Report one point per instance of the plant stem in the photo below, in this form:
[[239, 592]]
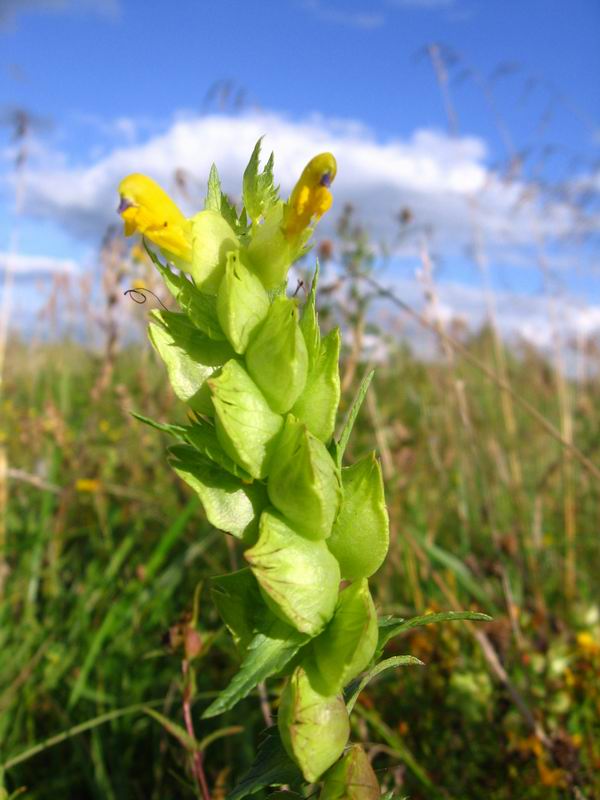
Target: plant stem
[[197, 766]]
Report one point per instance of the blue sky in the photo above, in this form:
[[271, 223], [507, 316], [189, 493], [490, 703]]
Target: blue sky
[[108, 82]]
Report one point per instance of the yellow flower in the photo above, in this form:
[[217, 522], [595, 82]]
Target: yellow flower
[[87, 485], [149, 210], [311, 197]]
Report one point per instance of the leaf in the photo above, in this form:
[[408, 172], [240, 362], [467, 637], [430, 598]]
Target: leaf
[[216, 200], [389, 628], [267, 654], [389, 663], [239, 603], [259, 190], [272, 767], [340, 446], [190, 357], [178, 431], [182, 736], [203, 438], [462, 573], [199, 306], [229, 504], [213, 190]]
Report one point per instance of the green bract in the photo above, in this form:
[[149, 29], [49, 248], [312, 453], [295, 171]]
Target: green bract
[[190, 357], [352, 778], [246, 426], [318, 403], [347, 644], [242, 303], [212, 240], [304, 483], [314, 728], [277, 357], [229, 505], [360, 535], [299, 578]]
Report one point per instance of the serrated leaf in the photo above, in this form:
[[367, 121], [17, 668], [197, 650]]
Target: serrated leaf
[[391, 627], [213, 190], [259, 190], [267, 654], [203, 438], [190, 357], [389, 663], [272, 767], [229, 504]]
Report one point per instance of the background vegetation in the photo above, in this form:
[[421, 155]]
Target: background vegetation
[[493, 496]]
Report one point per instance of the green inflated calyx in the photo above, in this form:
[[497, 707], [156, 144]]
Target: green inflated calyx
[[246, 426], [304, 482], [347, 644], [352, 778], [242, 303], [189, 355], [360, 536], [276, 356], [314, 728], [212, 239], [298, 578]]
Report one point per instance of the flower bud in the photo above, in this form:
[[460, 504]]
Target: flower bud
[[299, 579], [352, 778], [304, 482], [314, 728], [242, 303], [246, 427], [212, 240], [360, 536], [276, 356], [347, 644]]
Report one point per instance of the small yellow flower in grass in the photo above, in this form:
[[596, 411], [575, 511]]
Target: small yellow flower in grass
[[310, 198], [148, 210], [87, 485]]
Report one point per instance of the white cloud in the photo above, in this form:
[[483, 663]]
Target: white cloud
[[28, 266], [443, 180], [11, 9]]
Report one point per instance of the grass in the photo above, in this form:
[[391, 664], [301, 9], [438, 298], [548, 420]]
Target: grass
[[105, 550]]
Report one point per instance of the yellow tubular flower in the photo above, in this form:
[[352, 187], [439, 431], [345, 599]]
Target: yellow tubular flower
[[149, 210], [311, 197]]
